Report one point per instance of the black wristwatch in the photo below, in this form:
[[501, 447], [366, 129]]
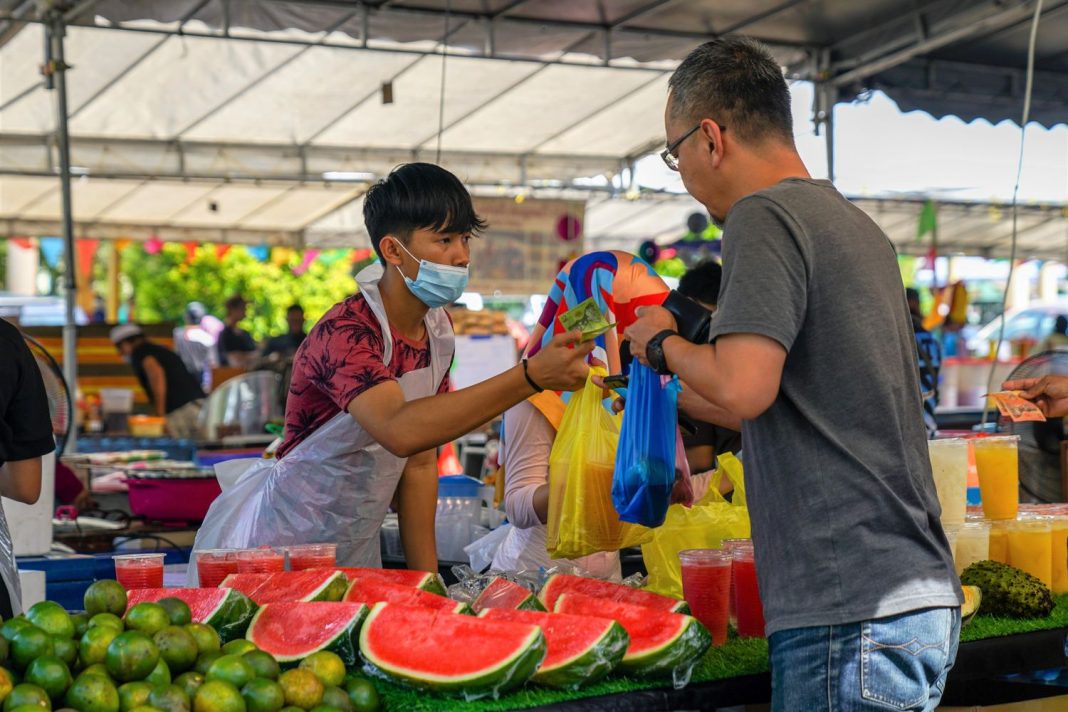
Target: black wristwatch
[[654, 352]]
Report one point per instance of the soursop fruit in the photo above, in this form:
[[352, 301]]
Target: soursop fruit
[[1007, 591]]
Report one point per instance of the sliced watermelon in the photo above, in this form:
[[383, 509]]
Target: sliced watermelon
[[225, 609], [502, 593], [461, 655], [431, 583], [566, 583], [660, 641], [293, 631], [282, 586], [581, 649], [372, 590]]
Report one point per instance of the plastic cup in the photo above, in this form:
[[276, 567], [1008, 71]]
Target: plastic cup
[[973, 544], [750, 610], [1031, 548], [139, 570], [951, 535], [706, 583], [260, 561], [1059, 551], [998, 465], [214, 565], [729, 545], [312, 556], [949, 466], [999, 541]]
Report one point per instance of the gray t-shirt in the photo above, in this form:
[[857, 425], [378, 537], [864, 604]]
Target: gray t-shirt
[[843, 506]]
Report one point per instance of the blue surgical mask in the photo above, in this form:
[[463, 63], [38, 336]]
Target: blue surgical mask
[[435, 285]]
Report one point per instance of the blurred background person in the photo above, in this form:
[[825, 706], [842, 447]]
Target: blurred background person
[[236, 347], [194, 345], [285, 345]]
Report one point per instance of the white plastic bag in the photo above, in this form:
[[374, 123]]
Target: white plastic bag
[[481, 551]]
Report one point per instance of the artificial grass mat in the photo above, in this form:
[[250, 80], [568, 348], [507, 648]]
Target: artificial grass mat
[[739, 657]]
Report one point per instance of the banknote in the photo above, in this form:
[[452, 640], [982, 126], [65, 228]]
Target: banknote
[[586, 317], [1018, 409]]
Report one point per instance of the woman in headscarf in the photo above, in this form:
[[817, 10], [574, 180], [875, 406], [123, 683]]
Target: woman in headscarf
[[619, 283]]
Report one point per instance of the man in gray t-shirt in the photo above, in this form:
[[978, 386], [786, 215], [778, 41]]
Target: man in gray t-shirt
[[813, 349]]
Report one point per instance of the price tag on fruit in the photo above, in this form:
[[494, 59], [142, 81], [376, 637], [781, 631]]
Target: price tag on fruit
[[1014, 406], [586, 317]]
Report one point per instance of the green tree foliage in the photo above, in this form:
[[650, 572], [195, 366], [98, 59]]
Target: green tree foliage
[[163, 284]]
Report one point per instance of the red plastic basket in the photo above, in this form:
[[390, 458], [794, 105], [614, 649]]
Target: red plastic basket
[[172, 500]]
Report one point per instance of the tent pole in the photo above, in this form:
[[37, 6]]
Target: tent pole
[[829, 134], [56, 77]]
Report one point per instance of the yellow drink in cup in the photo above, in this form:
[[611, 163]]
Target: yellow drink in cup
[[1059, 551], [973, 544], [998, 464], [999, 542], [949, 466], [1030, 547]]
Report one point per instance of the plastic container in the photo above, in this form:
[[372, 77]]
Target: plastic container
[[750, 609], [459, 486], [139, 570], [146, 426], [116, 400], [949, 466], [997, 461], [172, 500], [729, 545], [261, 561], [1031, 547], [312, 556], [214, 565], [973, 544], [1059, 551], [706, 583]]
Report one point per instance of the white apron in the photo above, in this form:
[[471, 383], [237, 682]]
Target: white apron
[[336, 485]]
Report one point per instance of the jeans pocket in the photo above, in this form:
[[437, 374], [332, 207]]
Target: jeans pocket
[[903, 657]]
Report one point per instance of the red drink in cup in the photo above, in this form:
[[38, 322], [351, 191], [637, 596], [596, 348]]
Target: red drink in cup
[[312, 556], [139, 570], [214, 565], [729, 546], [750, 609], [706, 583], [260, 561]]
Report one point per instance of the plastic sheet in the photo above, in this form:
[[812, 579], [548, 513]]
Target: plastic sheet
[[582, 518], [645, 470]]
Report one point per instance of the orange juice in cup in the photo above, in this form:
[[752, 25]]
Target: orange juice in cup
[[1059, 550], [1030, 547], [998, 464], [999, 541]]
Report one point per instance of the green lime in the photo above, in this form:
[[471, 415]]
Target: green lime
[[105, 596], [96, 669], [81, 623], [160, 675], [66, 650], [324, 708], [7, 684], [190, 682], [148, 618], [93, 693], [207, 638], [170, 698], [233, 669], [177, 610], [52, 618], [302, 688], [27, 694], [337, 698], [145, 708], [239, 647], [218, 696], [131, 656], [291, 708], [5, 649], [28, 708], [263, 696], [177, 647], [134, 694], [93, 647], [107, 620], [30, 643], [51, 675], [205, 661], [12, 627], [263, 663], [327, 666], [363, 695]]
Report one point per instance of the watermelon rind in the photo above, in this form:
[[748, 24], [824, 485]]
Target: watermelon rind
[[429, 582], [332, 588], [531, 604], [587, 666], [230, 618], [509, 674], [501, 588], [549, 593], [344, 644]]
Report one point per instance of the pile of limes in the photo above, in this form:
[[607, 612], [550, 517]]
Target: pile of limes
[[155, 659]]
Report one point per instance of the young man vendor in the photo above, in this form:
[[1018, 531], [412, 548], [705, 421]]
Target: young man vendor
[[369, 400]]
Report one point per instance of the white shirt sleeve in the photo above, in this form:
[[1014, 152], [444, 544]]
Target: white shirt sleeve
[[528, 440]]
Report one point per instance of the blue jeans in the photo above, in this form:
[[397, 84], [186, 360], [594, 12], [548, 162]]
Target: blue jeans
[[895, 663]]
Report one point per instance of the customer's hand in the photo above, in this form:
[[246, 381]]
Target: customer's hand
[[561, 364], [651, 321], [1049, 393]]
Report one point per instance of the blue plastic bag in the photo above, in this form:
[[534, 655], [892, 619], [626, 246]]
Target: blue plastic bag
[[645, 460]]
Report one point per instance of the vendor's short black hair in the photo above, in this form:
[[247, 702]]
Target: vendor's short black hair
[[419, 196], [294, 308], [702, 282]]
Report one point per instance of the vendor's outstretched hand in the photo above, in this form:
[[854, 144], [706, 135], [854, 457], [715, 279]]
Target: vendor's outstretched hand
[[651, 321], [1049, 393], [561, 364]]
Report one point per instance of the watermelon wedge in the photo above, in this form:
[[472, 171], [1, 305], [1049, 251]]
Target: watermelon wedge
[[431, 583], [293, 631], [502, 593], [580, 649], [282, 586], [435, 650], [660, 641], [226, 610], [371, 590], [566, 583]]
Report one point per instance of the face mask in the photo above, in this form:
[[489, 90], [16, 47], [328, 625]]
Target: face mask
[[435, 285]]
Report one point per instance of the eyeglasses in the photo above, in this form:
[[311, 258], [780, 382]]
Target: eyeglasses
[[668, 154]]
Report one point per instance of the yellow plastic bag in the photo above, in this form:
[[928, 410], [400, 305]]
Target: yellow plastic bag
[[582, 518], [703, 526]]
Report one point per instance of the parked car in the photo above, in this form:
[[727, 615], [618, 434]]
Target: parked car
[[38, 311], [1031, 323]]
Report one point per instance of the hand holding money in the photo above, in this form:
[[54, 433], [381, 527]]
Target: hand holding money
[[1049, 393], [586, 317], [1011, 404]]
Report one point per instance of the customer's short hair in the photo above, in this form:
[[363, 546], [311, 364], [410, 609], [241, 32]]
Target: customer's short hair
[[737, 83], [418, 196], [294, 308], [702, 282]]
